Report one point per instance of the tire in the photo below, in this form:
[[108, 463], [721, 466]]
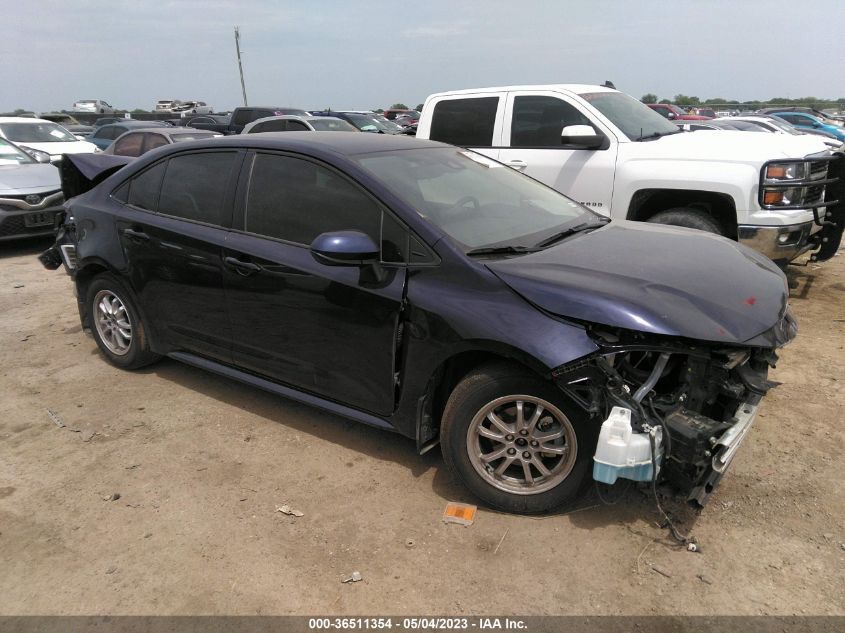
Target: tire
[[503, 482], [689, 218], [116, 324]]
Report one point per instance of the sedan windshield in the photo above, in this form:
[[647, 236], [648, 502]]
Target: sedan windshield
[[637, 121], [475, 200], [11, 155], [36, 133]]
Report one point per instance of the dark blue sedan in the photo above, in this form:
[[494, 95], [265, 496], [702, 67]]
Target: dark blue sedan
[[431, 291]]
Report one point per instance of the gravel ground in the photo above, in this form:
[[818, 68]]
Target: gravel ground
[[201, 464]]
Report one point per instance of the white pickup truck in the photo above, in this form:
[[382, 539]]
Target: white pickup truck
[[616, 156]]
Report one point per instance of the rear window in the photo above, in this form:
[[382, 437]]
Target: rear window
[[465, 122]]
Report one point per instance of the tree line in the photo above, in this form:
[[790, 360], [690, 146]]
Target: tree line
[[685, 100]]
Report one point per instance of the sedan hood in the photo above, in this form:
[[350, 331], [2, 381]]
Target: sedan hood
[[28, 178], [651, 278]]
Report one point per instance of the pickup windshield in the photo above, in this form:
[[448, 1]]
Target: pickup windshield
[[635, 120], [475, 200]]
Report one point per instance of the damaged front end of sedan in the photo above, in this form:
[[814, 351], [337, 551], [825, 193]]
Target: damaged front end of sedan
[[674, 411]]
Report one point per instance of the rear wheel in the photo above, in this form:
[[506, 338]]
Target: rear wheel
[[117, 325], [515, 441], [688, 217]]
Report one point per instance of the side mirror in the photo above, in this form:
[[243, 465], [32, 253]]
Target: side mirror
[[581, 137], [670, 115], [345, 248]]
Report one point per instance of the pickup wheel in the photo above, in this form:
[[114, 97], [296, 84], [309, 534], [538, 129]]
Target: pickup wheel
[[689, 218], [515, 441], [117, 325]]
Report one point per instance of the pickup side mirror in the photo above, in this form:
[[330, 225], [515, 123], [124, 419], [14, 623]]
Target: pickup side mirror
[[345, 248], [581, 137]]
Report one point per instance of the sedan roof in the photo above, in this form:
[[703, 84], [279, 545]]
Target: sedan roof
[[335, 142]]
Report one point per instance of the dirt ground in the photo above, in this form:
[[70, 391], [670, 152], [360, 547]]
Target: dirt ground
[[201, 464]]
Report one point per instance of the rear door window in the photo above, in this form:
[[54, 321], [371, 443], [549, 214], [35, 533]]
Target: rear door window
[[129, 145], [467, 122], [195, 185], [154, 140]]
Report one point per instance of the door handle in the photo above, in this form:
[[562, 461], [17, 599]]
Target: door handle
[[518, 165], [135, 234], [244, 268]]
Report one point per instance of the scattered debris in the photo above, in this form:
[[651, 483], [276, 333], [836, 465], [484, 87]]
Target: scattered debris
[[286, 509], [727, 504], [662, 571], [26, 338], [409, 543], [203, 468], [649, 544], [148, 535], [18, 286], [460, 513], [692, 547], [56, 419], [111, 570], [496, 551], [355, 576], [242, 499], [88, 435], [112, 497], [132, 467], [828, 535], [705, 579]]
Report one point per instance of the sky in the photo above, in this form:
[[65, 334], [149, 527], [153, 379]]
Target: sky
[[363, 55]]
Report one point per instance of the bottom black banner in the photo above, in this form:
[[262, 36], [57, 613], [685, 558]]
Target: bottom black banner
[[534, 624]]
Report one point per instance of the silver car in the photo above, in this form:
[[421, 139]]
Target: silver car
[[30, 194], [298, 123], [93, 105]]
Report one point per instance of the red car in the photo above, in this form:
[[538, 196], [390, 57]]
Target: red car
[[674, 113]]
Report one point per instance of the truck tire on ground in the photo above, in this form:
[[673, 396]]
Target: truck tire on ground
[[515, 440], [116, 324], [689, 218]]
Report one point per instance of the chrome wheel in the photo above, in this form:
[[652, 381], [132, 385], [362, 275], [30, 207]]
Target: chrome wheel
[[112, 321], [521, 444]]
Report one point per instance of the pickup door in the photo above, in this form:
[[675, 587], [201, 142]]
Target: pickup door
[[531, 142], [522, 128]]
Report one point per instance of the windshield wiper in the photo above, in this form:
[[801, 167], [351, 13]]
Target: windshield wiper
[[578, 228], [656, 135], [502, 250]]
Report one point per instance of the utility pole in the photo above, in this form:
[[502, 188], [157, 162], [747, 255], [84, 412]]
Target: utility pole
[[240, 65]]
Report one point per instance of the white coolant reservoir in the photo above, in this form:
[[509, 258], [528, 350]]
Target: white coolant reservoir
[[621, 452]]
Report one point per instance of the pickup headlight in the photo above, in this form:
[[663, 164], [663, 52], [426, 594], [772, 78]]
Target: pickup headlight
[[776, 172], [793, 184]]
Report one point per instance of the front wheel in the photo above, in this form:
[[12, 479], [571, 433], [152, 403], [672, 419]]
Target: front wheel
[[515, 441], [688, 217]]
